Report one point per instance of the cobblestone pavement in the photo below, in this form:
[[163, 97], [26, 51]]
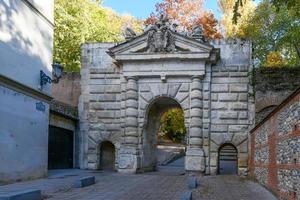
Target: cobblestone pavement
[[162, 185]]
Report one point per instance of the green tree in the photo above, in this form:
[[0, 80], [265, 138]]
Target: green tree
[[274, 31], [172, 124], [80, 21], [236, 30], [293, 6]]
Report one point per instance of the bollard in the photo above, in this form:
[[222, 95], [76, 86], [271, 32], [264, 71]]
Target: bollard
[[192, 182], [187, 195]]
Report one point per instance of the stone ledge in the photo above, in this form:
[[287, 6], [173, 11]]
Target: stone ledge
[[64, 109], [24, 89]]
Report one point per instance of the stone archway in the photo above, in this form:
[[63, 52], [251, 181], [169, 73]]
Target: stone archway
[[107, 156], [120, 82], [154, 111], [138, 98], [227, 159]]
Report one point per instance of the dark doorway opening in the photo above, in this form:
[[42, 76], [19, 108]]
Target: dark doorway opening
[[107, 156], [228, 159], [60, 148]]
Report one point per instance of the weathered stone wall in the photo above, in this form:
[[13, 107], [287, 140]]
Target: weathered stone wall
[[64, 108], [67, 90], [275, 146], [232, 101], [272, 85], [100, 103]]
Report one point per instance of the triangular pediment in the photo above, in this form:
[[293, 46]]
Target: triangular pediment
[[140, 45], [162, 41]]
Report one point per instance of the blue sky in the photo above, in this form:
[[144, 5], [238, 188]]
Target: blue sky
[[142, 8]]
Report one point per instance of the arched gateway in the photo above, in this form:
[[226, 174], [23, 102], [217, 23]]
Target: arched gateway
[[154, 111], [107, 156], [124, 84], [227, 159]]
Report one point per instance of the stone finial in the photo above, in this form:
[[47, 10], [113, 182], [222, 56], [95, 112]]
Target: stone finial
[[197, 33], [129, 33]]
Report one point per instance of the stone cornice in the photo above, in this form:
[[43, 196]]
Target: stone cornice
[[163, 56], [190, 74], [64, 109], [19, 87]]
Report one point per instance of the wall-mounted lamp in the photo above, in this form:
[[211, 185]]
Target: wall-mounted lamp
[[57, 71]]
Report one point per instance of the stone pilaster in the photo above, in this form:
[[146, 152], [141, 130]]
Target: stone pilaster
[[195, 156], [131, 123], [129, 154]]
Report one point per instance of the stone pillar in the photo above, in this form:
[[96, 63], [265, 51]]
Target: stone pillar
[[195, 160], [129, 154]]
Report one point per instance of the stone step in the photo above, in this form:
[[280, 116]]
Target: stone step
[[84, 182], [23, 195]]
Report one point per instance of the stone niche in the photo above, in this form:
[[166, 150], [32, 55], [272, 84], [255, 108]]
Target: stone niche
[[126, 87]]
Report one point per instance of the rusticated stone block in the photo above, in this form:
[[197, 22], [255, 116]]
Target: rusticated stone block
[[227, 97], [219, 88], [228, 115], [238, 87], [239, 106], [219, 105]]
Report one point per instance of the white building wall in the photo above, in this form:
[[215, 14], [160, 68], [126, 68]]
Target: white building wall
[[26, 43], [23, 137]]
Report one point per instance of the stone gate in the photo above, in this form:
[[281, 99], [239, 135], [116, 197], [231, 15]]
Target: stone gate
[[126, 87]]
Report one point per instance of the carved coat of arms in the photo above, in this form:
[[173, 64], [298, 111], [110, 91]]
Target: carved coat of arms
[[160, 37]]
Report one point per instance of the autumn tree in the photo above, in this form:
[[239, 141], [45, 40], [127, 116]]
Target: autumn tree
[[187, 14], [238, 29], [274, 59], [80, 21]]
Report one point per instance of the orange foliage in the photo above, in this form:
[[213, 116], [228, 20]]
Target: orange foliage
[[275, 59], [187, 13], [209, 23]]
